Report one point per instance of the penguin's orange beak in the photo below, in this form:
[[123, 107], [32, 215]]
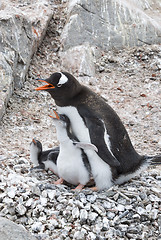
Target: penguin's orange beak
[[56, 115], [33, 140], [45, 87]]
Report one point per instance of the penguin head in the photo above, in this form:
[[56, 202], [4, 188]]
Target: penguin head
[[36, 145], [61, 86], [60, 120]]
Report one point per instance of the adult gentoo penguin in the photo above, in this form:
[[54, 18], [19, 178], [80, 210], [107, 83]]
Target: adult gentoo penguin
[[72, 162], [93, 120], [43, 159]]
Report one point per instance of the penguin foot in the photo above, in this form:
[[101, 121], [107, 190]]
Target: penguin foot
[[59, 181], [79, 187], [94, 188]]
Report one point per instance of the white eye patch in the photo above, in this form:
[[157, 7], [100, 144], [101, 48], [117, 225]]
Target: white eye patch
[[62, 80]]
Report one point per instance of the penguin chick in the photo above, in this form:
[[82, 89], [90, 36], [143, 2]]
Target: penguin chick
[[72, 162], [43, 159]]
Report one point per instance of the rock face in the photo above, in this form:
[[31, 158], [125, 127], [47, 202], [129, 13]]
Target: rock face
[[79, 60], [11, 231], [113, 23], [22, 27]]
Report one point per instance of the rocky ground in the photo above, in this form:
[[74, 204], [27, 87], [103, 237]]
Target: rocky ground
[[130, 80]]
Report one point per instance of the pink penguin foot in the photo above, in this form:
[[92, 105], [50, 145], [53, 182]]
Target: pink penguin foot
[[59, 181], [94, 189], [79, 187]]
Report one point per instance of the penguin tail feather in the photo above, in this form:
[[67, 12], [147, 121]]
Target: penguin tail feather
[[154, 160]]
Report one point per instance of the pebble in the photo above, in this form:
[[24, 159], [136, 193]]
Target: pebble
[[20, 209], [29, 202], [154, 214], [51, 194], [110, 215], [91, 198], [43, 201], [99, 209], [11, 192], [78, 235], [75, 212], [140, 210], [92, 217], [105, 224], [83, 216], [120, 208], [37, 227]]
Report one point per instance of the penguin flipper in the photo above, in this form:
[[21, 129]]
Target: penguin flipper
[[86, 146], [103, 150], [97, 133], [50, 153], [53, 155]]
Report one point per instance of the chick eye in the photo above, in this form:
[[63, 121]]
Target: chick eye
[[59, 85]]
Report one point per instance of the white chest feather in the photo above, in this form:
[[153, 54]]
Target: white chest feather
[[34, 155], [78, 126]]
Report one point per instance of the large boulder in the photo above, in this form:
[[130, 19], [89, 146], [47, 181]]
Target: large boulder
[[79, 60], [11, 231], [22, 28], [112, 23]]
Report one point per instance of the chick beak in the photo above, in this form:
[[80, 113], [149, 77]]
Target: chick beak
[[44, 87], [34, 141], [56, 115]]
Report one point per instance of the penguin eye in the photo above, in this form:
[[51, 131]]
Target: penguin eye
[[59, 85]]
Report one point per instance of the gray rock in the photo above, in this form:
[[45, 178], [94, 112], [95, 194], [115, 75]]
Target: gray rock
[[43, 201], [20, 209], [154, 214], [108, 24], [29, 202], [11, 192], [99, 209], [92, 217], [91, 198], [107, 205], [110, 215], [120, 207], [140, 210], [123, 227], [36, 190], [159, 223], [6, 81], [37, 227], [91, 236], [80, 60], [78, 235], [83, 215], [11, 231], [82, 198], [105, 224], [21, 32], [51, 194], [75, 212]]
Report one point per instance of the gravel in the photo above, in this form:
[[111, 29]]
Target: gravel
[[130, 80]]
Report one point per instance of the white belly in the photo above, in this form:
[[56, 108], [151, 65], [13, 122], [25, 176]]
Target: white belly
[[70, 165]]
